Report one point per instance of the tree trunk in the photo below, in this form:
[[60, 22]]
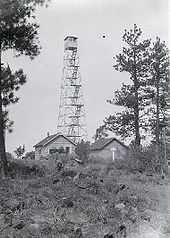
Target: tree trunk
[[136, 107], [2, 139], [136, 112], [157, 133]]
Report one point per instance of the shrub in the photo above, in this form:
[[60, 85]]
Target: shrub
[[9, 156], [140, 161], [83, 150], [30, 155], [23, 169]]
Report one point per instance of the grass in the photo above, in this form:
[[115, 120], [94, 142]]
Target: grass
[[56, 203]]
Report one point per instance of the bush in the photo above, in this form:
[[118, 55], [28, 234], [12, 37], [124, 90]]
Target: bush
[[83, 150], [30, 155], [140, 161], [24, 169]]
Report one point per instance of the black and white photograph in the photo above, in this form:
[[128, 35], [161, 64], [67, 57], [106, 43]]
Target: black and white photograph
[[84, 119]]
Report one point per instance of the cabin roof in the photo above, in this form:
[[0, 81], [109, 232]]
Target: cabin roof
[[103, 142], [51, 138]]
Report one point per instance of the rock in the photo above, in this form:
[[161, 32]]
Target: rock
[[67, 202], [13, 204], [83, 181], [109, 236], [145, 217], [46, 229], [69, 173], [8, 217], [120, 206], [19, 226], [122, 187], [38, 219], [122, 231], [78, 233], [77, 217], [56, 181], [59, 166], [34, 228]]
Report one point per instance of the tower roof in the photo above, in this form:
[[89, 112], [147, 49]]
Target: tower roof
[[74, 37]]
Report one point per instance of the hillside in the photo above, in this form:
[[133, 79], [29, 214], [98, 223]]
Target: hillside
[[78, 201]]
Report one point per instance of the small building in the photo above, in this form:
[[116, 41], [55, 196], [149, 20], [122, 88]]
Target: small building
[[52, 144], [109, 149]]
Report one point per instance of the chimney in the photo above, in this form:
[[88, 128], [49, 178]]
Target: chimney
[[48, 134]]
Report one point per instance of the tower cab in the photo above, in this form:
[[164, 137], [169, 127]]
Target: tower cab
[[70, 43]]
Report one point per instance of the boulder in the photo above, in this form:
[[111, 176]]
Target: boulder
[[109, 236], [77, 217], [56, 181], [120, 206], [122, 231], [13, 204], [78, 233], [67, 202], [19, 225]]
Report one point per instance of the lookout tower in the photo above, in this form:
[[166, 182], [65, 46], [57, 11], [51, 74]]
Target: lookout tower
[[71, 119]]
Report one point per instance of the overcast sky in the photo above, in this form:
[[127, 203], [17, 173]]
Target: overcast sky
[[37, 111]]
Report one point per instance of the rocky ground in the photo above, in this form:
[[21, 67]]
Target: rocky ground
[[159, 225], [93, 201]]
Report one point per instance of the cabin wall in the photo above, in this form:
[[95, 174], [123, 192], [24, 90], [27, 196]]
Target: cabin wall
[[106, 154], [56, 144]]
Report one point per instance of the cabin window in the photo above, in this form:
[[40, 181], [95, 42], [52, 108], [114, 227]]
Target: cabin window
[[52, 151], [67, 150]]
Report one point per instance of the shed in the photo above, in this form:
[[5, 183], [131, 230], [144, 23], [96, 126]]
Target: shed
[[53, 143], [109, 149]]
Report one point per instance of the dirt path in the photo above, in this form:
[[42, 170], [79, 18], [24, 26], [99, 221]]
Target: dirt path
[[159, 226]]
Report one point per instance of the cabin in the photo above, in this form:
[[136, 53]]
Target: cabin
[[108, 149], [52, 144]]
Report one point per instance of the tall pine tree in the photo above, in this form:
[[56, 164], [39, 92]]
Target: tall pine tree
[[18, 32], [133, 60], [159, 76]]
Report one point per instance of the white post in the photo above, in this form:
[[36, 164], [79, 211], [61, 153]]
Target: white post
[[113, 153]]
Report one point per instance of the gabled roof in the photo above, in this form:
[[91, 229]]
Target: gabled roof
[[101, 143], [51, 138]]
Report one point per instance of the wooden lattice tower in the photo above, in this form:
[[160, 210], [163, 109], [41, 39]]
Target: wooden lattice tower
[[71, 119]]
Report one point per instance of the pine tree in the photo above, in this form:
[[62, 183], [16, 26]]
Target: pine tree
[[167, 119], [134, 60], [11, 83], [159, 76], [18, 32]]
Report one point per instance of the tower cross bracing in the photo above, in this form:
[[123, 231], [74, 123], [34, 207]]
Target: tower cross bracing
[[71, 119]]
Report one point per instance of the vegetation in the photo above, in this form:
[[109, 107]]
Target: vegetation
[[167, 120], [135, 61], [18, 32], [83, 150], [20, 150], [94, 200], [142, 103], [30, 155]]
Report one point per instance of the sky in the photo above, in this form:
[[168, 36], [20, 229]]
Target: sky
[[37, 111]]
